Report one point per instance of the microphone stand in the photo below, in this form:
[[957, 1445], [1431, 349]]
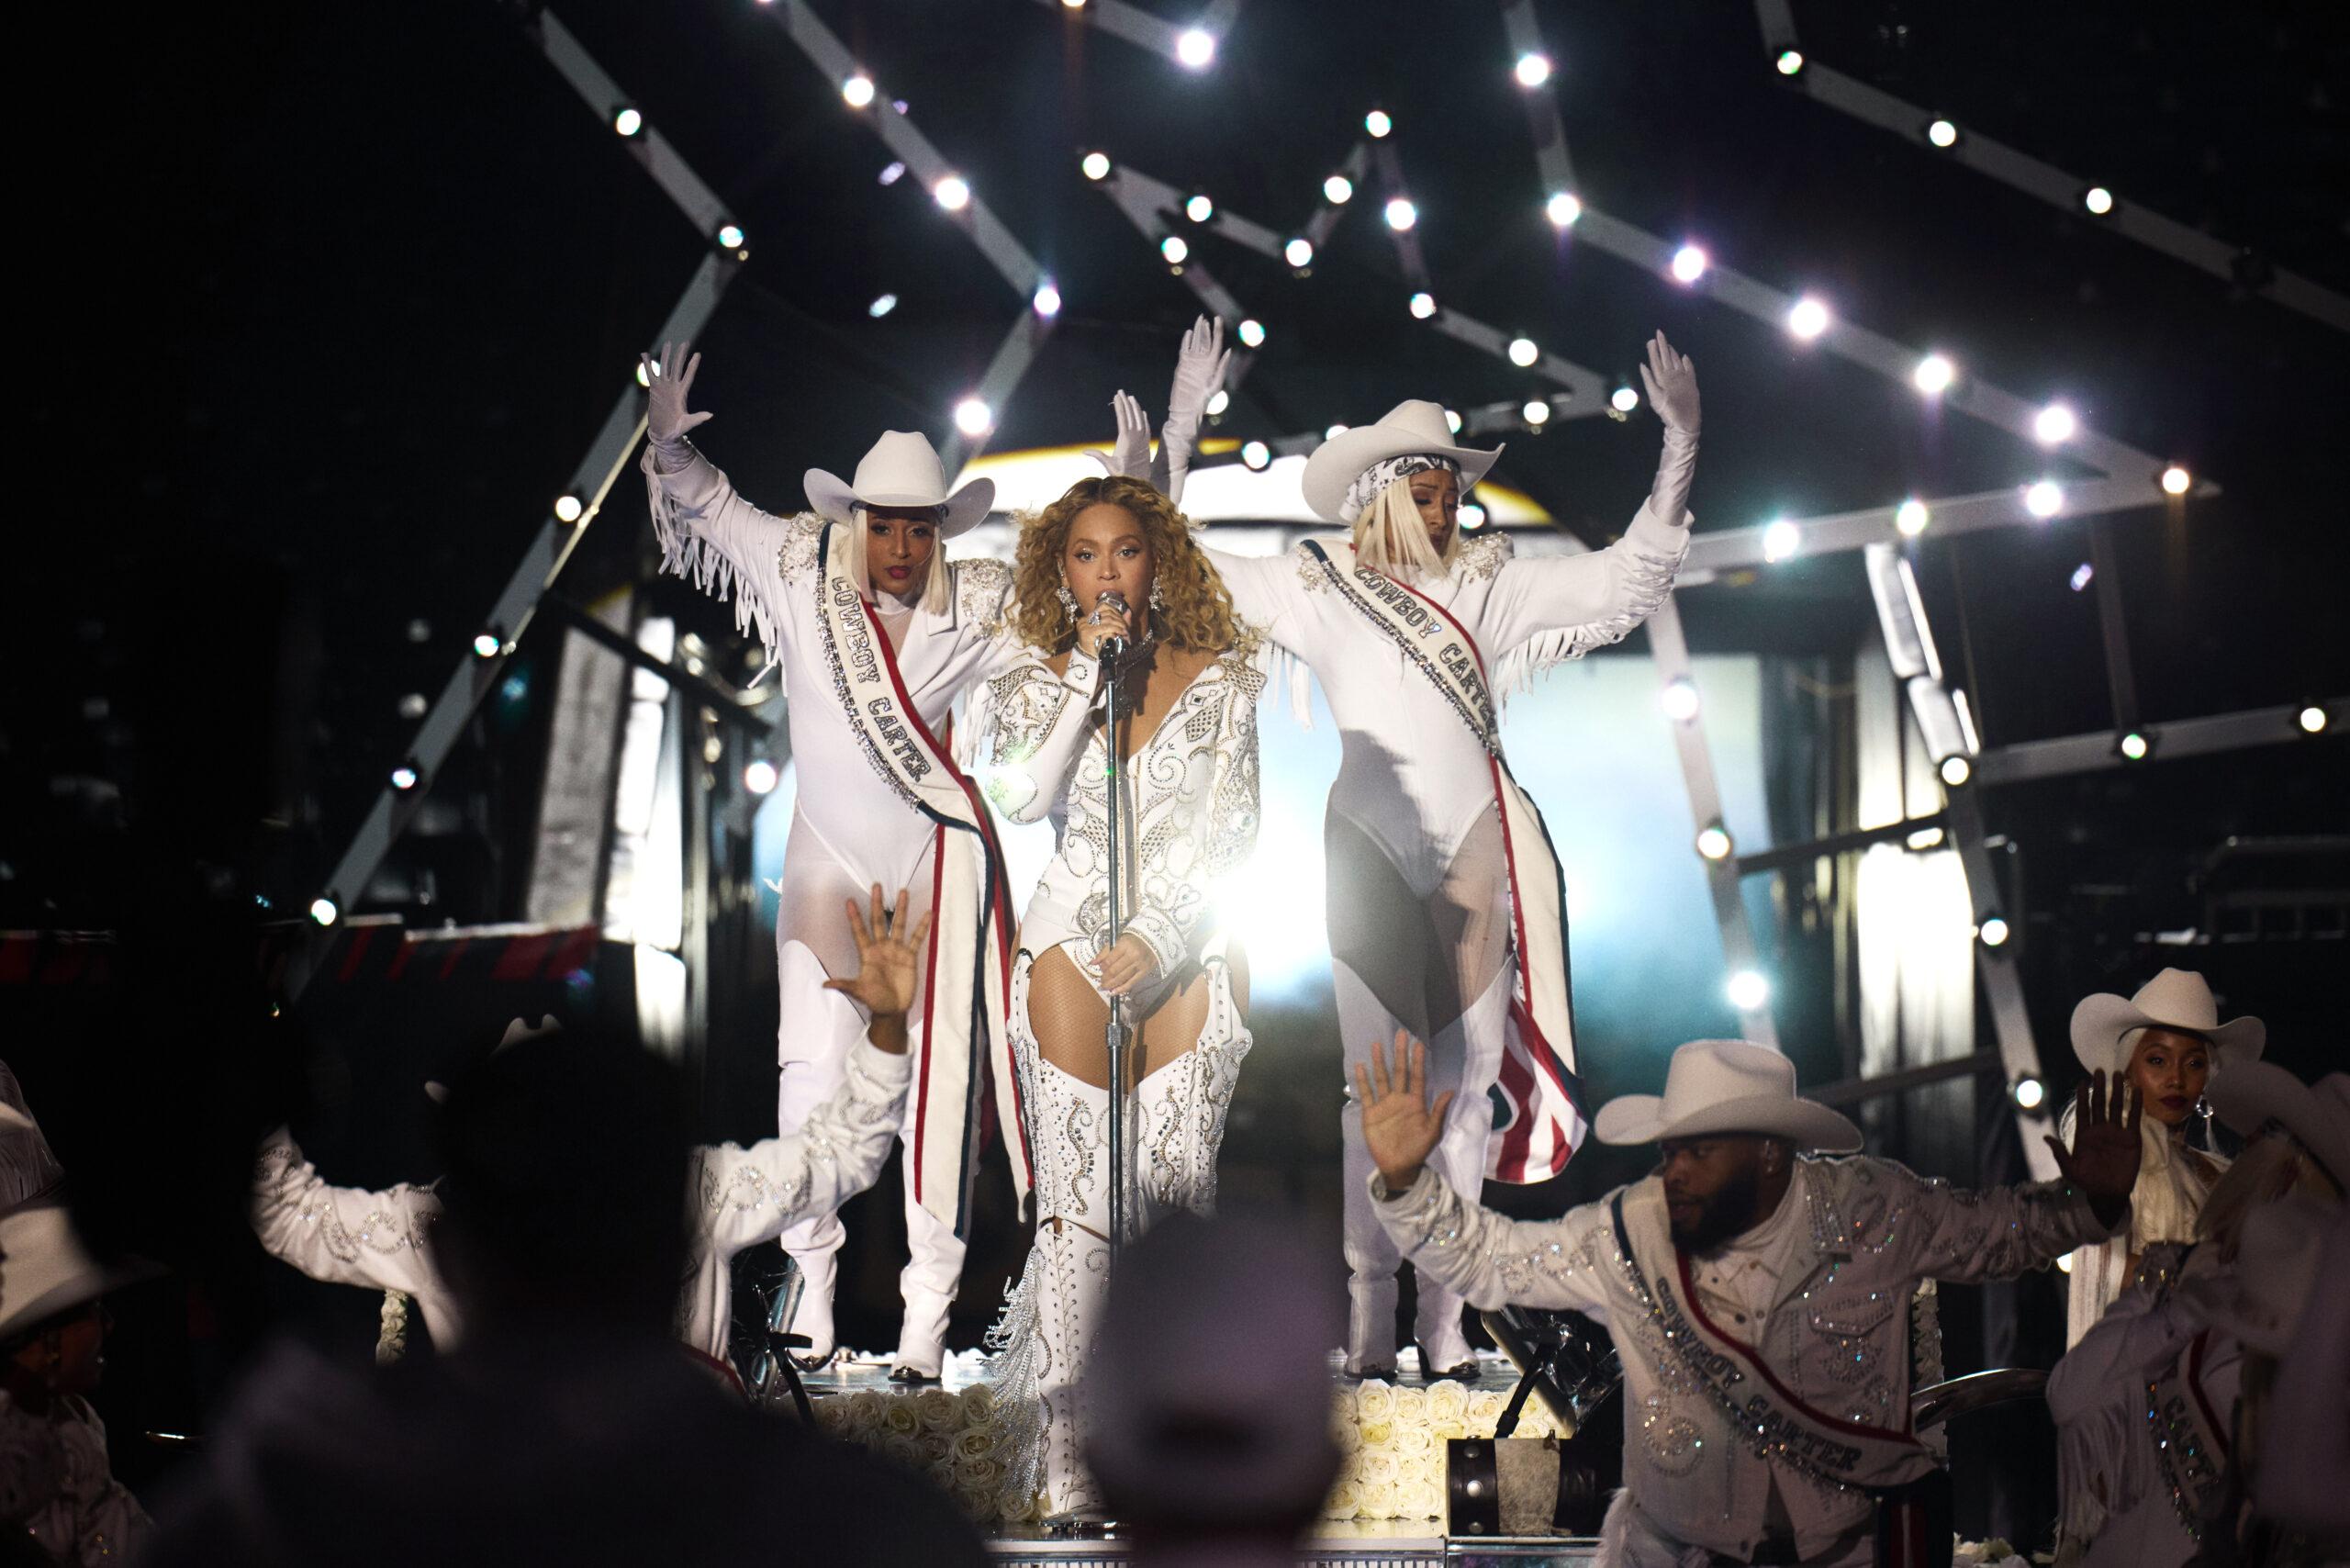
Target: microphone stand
[[1116, 1035]]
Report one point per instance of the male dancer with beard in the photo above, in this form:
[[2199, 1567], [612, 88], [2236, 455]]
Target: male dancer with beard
[[1759, 1296]]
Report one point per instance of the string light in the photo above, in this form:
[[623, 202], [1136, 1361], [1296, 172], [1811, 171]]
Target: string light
[[1200, 208], [1337, 190], [1402, 214], [952, 192], [1299, 252], [1911, 517], [1174, 250], [1790, 62], [1623, 400], [1562, 208], [1688, 263], [2176, 480], [568, 508], [760, 777], [2044, 498], [1533, 69], [857, 91], [1933, 375], [1423, 305], [627, 120], [1195, 47], [882, 305], [1252, 333], [973, 417], [2135, 746], [488, 643], [1256, 454], [2311, 720], [1523, 352], [1219, 402], [1781, 539], [1942, 134], [1047, 301], [404, 776], [730, 237], [1378, 123], [1537, 413], [1809, 318], [1680, 699], [1992, 930], [1714, 842], [2099, 200], [1747, 990], [2053, 425], [1955, 770], [2030, 1094], [1094, 165], [323, 910]]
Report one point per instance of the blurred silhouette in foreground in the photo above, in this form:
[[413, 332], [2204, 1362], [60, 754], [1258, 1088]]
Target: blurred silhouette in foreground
[[1212, 1382], [568, 1426]]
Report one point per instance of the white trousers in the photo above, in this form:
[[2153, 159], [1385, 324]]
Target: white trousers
[[1465, 1057]]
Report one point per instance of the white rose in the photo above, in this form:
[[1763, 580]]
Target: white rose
[[1448, 1402], [1484, 1410], [1379, 1501], [972, 1443], [937, 1410], [1347, 1436], [1376, 1434], [905, 1450], [1428, 1500], [865, 1409], [1414, 1442], [1374, 1403], [1535, 1422], [1445, 1432], [1410, 1406], [1344, 1502], [1379, 1467], [899, 1417], [1350, 1468], [978, 1405], [981, 1474]]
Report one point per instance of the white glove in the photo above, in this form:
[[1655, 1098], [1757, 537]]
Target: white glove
[[1671, 380], [1129, 455], [1200, 365], [665, 418]]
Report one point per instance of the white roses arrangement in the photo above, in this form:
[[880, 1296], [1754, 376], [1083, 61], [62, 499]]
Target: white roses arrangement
[[956, 1441], [1392, 1443]]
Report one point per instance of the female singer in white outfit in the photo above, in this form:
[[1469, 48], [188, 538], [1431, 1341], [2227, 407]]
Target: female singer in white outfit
[[855, 824], [1427, 837], [1187, 815]]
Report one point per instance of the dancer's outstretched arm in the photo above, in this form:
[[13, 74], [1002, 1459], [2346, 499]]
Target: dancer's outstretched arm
[[342, 1236], [1581, 602]]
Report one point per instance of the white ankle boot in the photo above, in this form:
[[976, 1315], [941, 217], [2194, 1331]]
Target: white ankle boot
[[814, 1318]]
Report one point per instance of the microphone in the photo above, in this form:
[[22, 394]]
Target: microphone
[[1112, 648]]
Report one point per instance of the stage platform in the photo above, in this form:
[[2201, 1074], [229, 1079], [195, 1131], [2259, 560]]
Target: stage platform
[[855, 1370]]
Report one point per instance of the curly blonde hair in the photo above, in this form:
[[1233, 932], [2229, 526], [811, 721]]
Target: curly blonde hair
[[1196, 612]]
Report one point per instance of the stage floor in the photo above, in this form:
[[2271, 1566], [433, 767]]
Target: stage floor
[[855, 1370]]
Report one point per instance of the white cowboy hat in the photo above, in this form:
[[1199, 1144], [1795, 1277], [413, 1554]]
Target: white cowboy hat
[[45, 1270], [1725, 1086], [2262, 1298], [2251, 1094], [2174, 999], [903, 470], [1409, 426]]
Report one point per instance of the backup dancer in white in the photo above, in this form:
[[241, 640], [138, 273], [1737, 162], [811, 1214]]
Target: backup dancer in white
[[876, 635], [1447, 913], [1187, 816]]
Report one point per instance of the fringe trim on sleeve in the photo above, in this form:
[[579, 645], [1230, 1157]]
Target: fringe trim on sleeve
[[1285, 671], [689, 552], [1647, 580]]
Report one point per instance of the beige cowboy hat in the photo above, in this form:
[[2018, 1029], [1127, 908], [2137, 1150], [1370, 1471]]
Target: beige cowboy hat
[[2263, 1297], [2251, 1094], [1410, 427], [1725, 1086], [45, 1270], [2174, 999], [903, 470]]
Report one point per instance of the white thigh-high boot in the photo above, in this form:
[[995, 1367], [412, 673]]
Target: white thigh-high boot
[[1181, 1108], [1070, 1267], [817, 1029], [1475, 1042], [1372, 1255]]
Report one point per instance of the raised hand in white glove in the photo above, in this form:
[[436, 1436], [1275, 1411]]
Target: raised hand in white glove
[[670, 380], [1200, 366], [1671, 380], [1129, 455]]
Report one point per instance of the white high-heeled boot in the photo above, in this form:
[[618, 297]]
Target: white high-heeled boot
[[1180, 1111], [1071, 1260]]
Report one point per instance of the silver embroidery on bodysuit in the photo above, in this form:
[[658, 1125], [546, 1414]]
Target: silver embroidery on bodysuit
[[1483, 556], [981, 589]]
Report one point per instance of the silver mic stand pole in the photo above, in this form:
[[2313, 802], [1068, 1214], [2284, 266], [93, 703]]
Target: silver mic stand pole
[[1117, 1035]]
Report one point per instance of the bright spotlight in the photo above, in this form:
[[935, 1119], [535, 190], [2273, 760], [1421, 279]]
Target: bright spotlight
[[1094, 165], [1533, 69], [1174, 250], [2065, 1263], [1537, 413], [1911, 517], [1781, 539], [1714, 842], [1747, 990], [1790, 62], [1251, 333], [568, 508], [1219, 402], [1623, 400], [1073, 4], [1047, 301], [643, 377], [2311, 720], [1402, 214], [1298, 252], [2081, 578], [1378, 123], [1334, 433], [760, 777], [403, 777], [1562, 208], [730, 235], [2044, 498], [2053, 424], [1256, 454], [1955, 770], [1473, 517], [1943, 133], [1337, 190], [1809, 318], [2176, 480], [857, 91], [1452, 420], [323, 910], [1680, 699], [891, 173], [2135, 746], [1423, 305], [1993, 930], [2099, 200], [1195, 47], [627, 121], [973, 417], [882, 305], [487, 644], [1688, 263], [1200, 208], [952, 192], [1933, 375], [2029, 1095], [413, 705], [1523, 352]]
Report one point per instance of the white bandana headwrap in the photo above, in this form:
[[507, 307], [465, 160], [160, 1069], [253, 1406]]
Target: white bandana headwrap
[[1379, 475]]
